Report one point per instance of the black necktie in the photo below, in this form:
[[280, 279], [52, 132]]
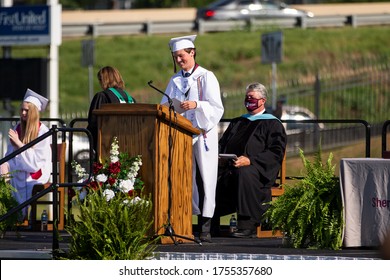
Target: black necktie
[[187, 74]]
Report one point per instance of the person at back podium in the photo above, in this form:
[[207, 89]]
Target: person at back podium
[[113, 86], [258, 139], [198, 90]]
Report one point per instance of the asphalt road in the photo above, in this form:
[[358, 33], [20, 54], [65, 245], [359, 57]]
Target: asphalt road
[[185, 14]]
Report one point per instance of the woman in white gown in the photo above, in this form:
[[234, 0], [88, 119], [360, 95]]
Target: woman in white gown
[[32, 166]]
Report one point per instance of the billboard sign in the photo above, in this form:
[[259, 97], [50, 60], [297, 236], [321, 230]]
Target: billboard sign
[[272, 47], [24, 25]]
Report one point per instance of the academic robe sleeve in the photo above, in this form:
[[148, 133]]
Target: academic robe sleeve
[[268, 159]]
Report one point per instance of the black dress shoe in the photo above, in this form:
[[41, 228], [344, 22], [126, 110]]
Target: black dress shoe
[[244, 233], [205, 237]]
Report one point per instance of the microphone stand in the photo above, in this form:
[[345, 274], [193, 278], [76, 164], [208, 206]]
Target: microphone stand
[[169, 231], [170, 102]]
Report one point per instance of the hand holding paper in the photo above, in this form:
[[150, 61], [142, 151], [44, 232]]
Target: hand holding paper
[[176, 105]]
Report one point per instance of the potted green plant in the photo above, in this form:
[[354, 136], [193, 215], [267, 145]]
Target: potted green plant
[[310, 212], [7, 202], [114, 215]]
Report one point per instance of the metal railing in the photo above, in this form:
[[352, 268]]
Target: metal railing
[[72, 124], [54, 184], [14, 120], [202, 26], [317, 136]]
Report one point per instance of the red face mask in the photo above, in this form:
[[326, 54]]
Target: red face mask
[[251, 104]]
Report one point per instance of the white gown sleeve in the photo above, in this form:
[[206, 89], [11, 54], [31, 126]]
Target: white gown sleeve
[[210, 109], [35, 158]]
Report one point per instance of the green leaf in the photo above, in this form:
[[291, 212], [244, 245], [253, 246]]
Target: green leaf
[[310, 212]]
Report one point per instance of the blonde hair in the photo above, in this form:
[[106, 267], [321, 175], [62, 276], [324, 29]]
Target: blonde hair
[[110, 77], [30, 128]]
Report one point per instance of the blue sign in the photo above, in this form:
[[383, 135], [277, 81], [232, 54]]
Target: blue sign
[[24, 25]]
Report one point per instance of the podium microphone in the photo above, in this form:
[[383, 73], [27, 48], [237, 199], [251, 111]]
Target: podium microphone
[[163, 93]]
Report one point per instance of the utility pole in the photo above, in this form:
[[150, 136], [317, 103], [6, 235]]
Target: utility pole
[[55, 41]]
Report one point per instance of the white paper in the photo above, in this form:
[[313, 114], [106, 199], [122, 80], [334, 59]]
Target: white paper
[[176, 105]]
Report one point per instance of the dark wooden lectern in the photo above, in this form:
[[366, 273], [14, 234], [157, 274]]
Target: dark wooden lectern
[[143, 129]]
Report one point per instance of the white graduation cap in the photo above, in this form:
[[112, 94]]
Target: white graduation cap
[[180, 43], [38, 100]]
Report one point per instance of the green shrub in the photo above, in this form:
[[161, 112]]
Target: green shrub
[[310, 213], [111, 230], [114, 217], [7, 202]]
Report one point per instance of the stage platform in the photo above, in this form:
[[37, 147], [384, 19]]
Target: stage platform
[[28, 245]]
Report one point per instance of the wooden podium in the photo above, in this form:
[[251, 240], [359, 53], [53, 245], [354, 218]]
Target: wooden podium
[[143, 129]]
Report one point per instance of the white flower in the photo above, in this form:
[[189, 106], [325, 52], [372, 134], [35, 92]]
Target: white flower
[[114, 152], [126, 185], [133, 172], [80, 171], [123, 184], [135, 200], [102, 178], [108, 194], [114, 159]]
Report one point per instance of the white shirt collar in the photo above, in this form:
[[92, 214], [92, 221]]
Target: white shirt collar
[[190, 71]]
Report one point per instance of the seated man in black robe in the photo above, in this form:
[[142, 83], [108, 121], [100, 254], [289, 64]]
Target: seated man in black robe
[[244, 184]]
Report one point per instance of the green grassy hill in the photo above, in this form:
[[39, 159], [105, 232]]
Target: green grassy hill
[[233, 56]]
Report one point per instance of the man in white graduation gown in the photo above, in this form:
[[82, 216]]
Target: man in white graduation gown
[[198, 90]]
